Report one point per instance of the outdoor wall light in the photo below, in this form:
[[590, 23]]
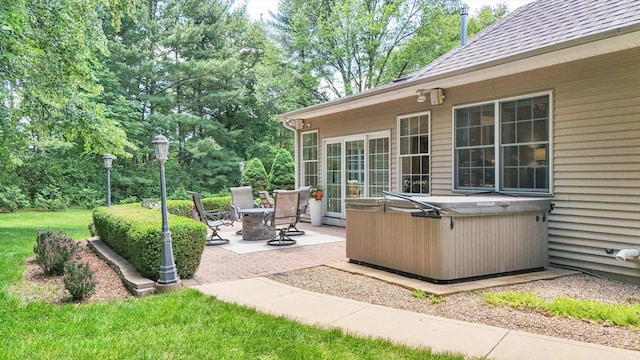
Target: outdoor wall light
[[168, 276], [421, 96]]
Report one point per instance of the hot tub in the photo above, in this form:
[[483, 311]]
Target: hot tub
[[445, 239]]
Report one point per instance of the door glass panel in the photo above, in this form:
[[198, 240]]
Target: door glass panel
[[334, 178], [354, 156]]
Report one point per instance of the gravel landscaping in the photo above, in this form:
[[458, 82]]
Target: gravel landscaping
[[470, 306]]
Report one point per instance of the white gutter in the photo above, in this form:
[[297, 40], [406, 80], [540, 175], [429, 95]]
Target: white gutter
[[599, 44]]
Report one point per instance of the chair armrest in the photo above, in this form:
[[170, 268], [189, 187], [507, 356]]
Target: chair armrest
[[233, 210], [218, 215]]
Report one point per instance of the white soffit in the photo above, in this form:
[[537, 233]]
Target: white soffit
[[503, 67]]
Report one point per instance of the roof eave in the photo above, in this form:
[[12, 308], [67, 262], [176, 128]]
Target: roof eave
[[598, 44]]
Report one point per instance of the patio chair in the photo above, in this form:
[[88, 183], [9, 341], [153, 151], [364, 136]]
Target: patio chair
[[285, 213], [241, 198], [265, 199], [213, 219], [303, 204]]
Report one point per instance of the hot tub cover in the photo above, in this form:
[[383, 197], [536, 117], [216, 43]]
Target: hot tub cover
[[451, 205]]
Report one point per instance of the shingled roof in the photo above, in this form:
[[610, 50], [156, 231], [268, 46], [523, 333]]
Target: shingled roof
[[539, 24]]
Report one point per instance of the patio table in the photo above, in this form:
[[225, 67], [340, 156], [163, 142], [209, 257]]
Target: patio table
[[254, 226]]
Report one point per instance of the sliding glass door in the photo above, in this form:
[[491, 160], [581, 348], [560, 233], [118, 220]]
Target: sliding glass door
[[356, 166]]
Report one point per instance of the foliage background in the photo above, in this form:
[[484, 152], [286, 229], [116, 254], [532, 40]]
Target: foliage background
[[85, 78]]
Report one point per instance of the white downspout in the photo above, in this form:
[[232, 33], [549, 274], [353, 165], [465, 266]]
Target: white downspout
[[296, 156], [625, 254]]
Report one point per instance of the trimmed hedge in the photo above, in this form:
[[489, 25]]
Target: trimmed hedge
[[135, 233], [183, 207]]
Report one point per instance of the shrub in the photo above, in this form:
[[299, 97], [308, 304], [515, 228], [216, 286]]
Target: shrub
[[129, 200], [255, 175], [79, 279], [134, 232], [180, 207], [179, 194], [183, 207], [50, 198], [281, 176], [12, 198], [87, 198], [53, 250]]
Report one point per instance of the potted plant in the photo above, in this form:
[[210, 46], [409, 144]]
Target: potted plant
[[315, 205]]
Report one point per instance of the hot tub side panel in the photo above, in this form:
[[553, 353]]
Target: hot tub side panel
[[395, 241], [430, 248], [486, 245]]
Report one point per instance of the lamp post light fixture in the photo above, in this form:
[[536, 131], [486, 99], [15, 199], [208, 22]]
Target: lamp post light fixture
[[168, 276], [241, 166], [108, 161]]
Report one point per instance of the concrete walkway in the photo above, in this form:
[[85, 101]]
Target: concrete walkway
[[413, 329]]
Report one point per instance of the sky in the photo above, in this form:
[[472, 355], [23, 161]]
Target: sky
[[255, 8]]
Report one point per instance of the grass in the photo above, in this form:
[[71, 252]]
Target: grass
[[585, 309], [181, 325]]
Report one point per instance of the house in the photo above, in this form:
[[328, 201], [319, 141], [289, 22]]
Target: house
[[545, 103]]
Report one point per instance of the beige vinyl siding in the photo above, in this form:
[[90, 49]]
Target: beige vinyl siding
[[597, 166], [441, 155], [595, 151], [596, 156]]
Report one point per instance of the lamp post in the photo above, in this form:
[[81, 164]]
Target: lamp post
[[241, 166], [108, 161], [168, 279]]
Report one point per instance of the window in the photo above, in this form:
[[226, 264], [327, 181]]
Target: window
[[378, 166], [414, 140], [310, 158], [516, 153]]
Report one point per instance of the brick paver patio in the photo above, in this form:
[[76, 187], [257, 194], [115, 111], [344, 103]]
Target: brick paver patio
[[219, 264]]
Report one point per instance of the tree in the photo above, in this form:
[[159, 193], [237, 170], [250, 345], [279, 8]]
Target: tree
[[189, 66], [282, 174], [341, 47], [49, 57]]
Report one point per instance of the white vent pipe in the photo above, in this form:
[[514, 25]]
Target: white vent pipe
[[625, 254]]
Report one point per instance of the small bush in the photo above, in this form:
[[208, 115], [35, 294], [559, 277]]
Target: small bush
[[87, 198], [282, 174], [53, 250], [50, 198], [255, 175], [12, 198], [79, 279]]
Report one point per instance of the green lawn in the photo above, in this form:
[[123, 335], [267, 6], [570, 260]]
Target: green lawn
[[180, 325]]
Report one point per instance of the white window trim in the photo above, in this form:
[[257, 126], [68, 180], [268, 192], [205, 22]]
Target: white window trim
[[498, 167], [302, 161], [398, 157]]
